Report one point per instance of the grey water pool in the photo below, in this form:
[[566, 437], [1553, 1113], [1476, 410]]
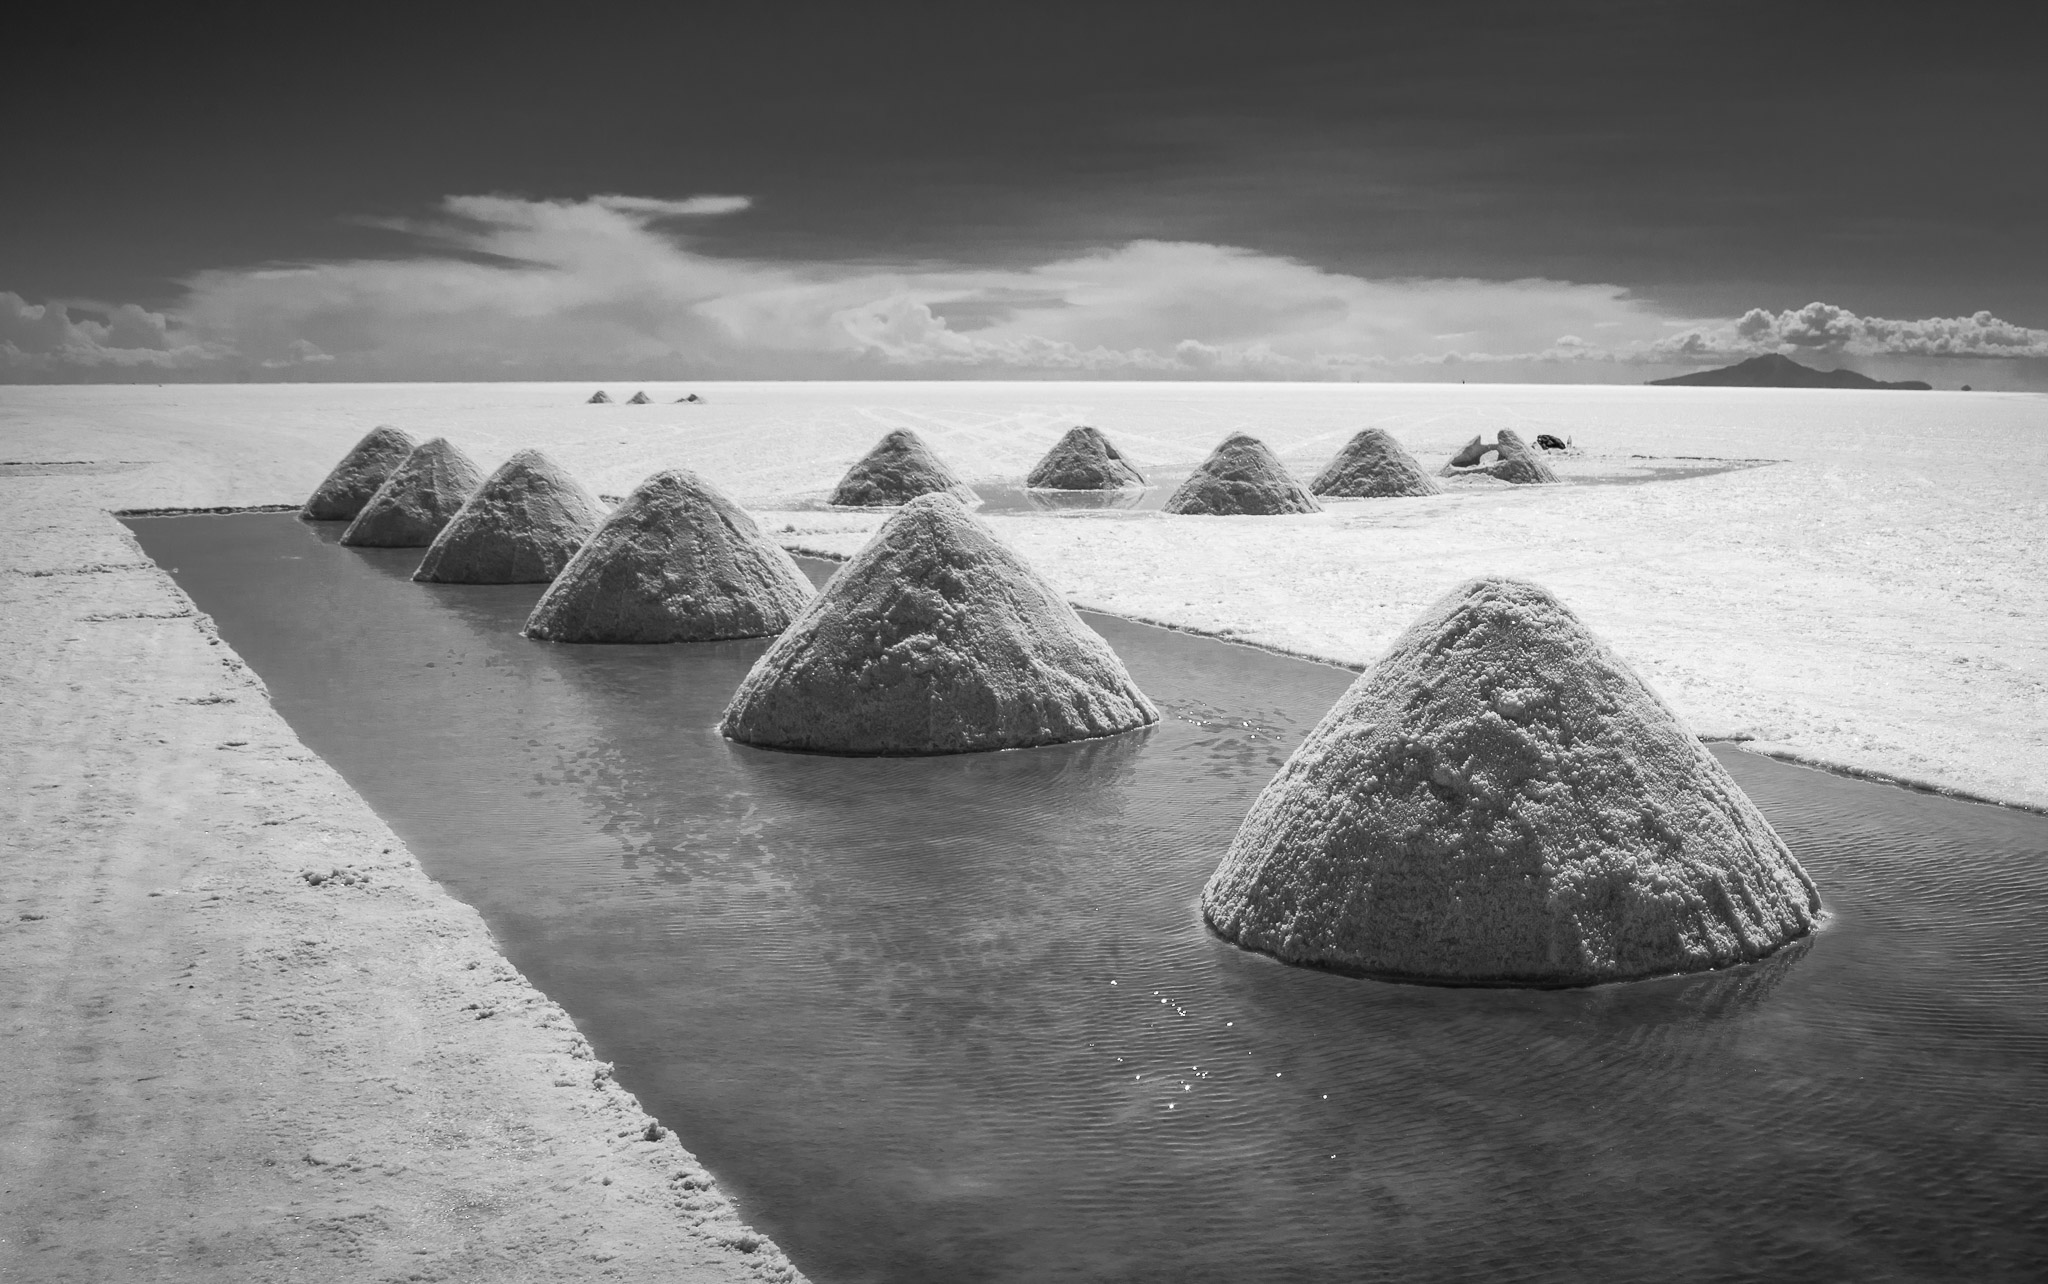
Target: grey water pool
[[957, 1019]]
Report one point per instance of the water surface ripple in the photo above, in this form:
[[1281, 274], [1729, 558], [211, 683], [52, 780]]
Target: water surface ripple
[[956, 1019]]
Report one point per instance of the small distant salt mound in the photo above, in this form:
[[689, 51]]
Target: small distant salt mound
[[692, 397], [520, 527], [599, 398], [1516, 463], [639, 399], [935, 638], [677, 562], [1373, 465], [1241, 477], [417, 500], [358, 475], [1084, 459], [899, 469], [1501, 800]]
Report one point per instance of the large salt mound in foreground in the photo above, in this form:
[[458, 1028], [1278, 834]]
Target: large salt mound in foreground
[[935, 638], [417, 500], [899, 469], [356, 478], [677, 562], [1084, 459], [1373, 465], [1241, 477], [520, 527], [1501, 800]]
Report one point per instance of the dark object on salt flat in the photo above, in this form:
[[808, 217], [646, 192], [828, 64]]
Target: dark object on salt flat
[[417, 500], [1373, 465], [358, 475], [639, 399], [899, 469], [1547, 442], [1084, 459], [1501, 800], [520, 527], [692, 397], [599, 398], [1775, 370], [935, 638], [1241, 478], [677, 562]]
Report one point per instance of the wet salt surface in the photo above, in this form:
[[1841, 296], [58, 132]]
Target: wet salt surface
[[957, 1018]]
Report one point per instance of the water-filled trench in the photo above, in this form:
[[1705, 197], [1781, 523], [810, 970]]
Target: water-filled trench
[[957, 1018]]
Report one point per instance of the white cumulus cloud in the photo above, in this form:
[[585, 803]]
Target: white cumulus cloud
[[616, 285]]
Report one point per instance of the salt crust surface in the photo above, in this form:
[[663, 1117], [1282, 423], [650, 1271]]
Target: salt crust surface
[[1501, 798], [899, 469], [1084, 459], [1373, 465], [366, 467], [521, 526], [417, 500], [676, 562], [1240, 478], [1866, 602], [935, 638]]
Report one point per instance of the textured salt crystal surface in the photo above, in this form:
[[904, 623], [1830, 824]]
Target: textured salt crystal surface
[[935, 638], [521, 526], [417, 500], [1502, 799], [676, 562], [1084, 459], [367, 466], [1373, 465], [899, 469], [1241, 477]]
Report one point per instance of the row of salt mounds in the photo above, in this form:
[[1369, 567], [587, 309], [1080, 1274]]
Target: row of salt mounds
[[520, 527], [1373, 465], [417, 500], [676, 562], [1084, 459], [1517, 463], [935, 638], [1501, 800], [899, 469], [1241, 477], [358, 476]]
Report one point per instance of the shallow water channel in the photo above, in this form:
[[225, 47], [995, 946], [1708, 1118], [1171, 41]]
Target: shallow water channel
[[957, 1018]]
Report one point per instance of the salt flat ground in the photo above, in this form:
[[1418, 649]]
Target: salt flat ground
[[1870, 600]]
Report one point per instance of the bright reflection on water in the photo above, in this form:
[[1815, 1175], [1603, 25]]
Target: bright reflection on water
[[956, 1019]]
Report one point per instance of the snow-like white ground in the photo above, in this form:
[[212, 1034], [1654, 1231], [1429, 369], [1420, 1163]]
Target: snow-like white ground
[[1874, 600]]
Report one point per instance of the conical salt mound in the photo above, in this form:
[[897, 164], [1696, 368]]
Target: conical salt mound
[[676, 562], [1241, 477], [599, 398], [935, 638], [417, 500], [1373, 465], [1518, 463], [1501, 800], [899, 469], [520, 527], [639, 399], [358, 475], [1084, 460]]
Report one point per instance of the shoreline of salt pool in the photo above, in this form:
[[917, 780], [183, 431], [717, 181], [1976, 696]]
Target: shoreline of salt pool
[[236, 1070]]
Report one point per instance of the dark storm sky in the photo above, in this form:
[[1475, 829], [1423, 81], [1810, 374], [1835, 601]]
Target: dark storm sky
[[1710, 156]]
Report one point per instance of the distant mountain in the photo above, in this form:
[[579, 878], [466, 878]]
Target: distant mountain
[[1776, 371]]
